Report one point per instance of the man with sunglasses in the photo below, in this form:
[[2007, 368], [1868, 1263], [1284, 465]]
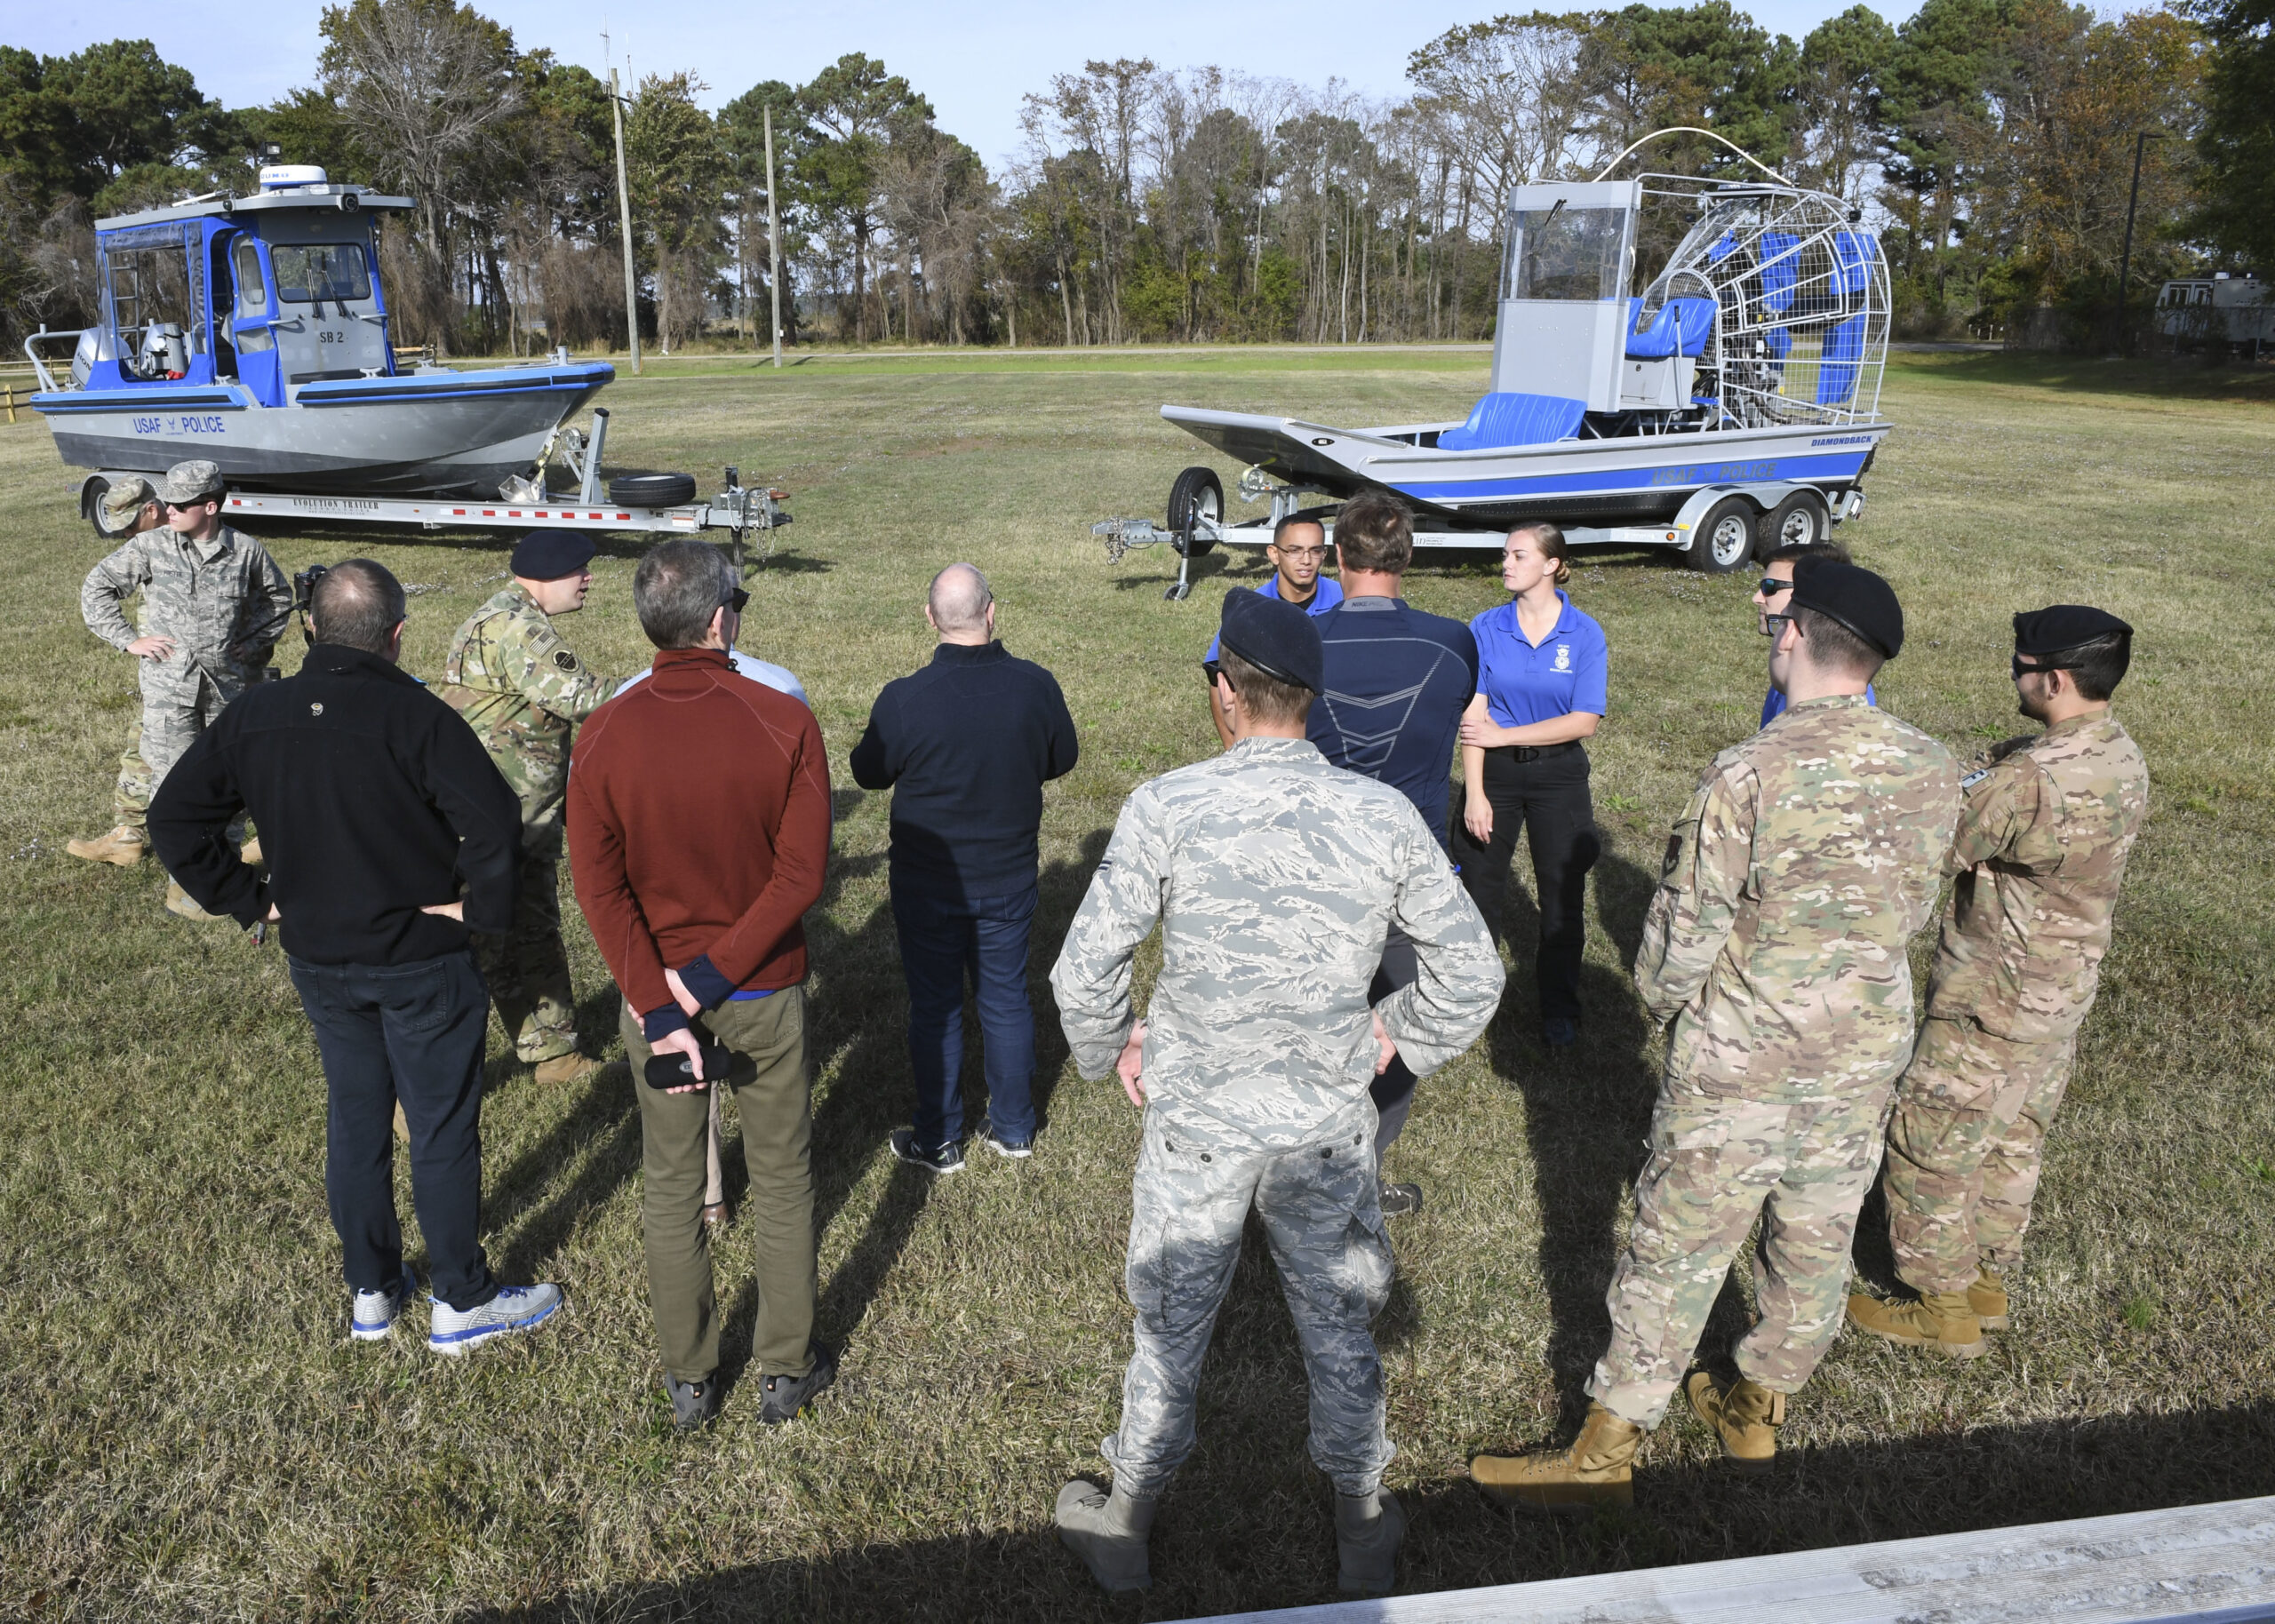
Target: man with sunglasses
[[1296, 552], [213, 605], [2037, 866], [699, 835], [523, 690], [1779, 572]]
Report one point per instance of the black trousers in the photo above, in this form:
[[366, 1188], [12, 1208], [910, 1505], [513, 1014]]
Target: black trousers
[[1393, 1091], [413, 1033], [1547, 799]]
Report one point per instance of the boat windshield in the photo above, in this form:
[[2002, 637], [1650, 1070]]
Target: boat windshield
[[312, 271], [1564, 254]]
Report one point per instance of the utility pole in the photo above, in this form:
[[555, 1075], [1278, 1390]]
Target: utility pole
[[623, 210], [2125, 260], [773, 238]]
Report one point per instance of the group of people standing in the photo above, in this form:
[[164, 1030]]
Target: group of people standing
[[1328, 912]]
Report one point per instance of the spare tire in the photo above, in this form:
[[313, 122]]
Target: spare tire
[[651, 489]]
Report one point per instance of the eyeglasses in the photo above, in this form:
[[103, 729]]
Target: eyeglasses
[[1774, 625], [1771, 586], [736, 601], [1312, 554], [2046, 665]]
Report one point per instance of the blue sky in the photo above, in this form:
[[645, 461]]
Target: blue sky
[[973, 61]]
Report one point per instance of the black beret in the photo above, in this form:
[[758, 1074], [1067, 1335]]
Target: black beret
[[1856, 598], [2062, 627], [547, 555], [1277, 639]]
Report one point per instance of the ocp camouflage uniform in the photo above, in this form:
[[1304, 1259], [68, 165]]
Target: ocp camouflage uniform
[[224, 603], [1776, 944], [2040, 858], [1275, 878], [523, 690]]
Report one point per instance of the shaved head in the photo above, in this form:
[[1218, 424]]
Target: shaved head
[[959, 600]]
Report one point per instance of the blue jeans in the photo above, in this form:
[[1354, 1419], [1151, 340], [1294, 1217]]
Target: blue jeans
[[942, 938], [414, 1033]]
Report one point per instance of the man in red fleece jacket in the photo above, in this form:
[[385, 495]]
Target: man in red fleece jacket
[[699, 834]]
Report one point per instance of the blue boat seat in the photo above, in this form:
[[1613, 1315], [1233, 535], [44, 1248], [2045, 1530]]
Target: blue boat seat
[[1678, 327], [1781, 267], [1843, 347], [1515, 419]]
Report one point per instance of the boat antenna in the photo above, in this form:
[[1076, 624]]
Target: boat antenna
[[1710, 135]]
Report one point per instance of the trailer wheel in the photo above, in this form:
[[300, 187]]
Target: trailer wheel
[[1197, 494], [1724, 538], [651, 489], [1802, 520]]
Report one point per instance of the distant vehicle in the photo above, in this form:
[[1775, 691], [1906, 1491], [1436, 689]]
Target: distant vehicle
[[254, 332], [2196, 312], [1732, 406]]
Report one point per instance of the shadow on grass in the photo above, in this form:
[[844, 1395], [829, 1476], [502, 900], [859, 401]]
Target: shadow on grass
[[1216, 1549], [2182, 377]]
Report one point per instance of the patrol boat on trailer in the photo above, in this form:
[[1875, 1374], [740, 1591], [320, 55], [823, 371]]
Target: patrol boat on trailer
[[255, 332], [1733, 404]]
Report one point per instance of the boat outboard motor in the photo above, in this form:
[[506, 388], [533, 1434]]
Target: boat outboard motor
[[164, 353]]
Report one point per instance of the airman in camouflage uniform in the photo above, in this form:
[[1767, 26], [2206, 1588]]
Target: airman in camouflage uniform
[[1775, 945], [130, 507], [1274, 877], [2037, 863], [523, 690], [213, 605]]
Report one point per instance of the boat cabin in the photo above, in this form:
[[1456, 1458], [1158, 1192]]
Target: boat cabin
[[269, 292]]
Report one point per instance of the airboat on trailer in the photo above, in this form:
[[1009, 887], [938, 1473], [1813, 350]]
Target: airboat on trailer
[[254, 332], [1732, 406]]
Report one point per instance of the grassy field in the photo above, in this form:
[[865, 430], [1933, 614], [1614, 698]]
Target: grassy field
[[186, 1432]]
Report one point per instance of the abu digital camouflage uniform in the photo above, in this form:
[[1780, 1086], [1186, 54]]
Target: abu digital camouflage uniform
[[1277, 878], [523, 690], [224, 603], [2040, 858], [1775, 945]]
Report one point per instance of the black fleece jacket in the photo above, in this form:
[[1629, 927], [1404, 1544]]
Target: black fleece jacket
[[374, 799], [965, 746]]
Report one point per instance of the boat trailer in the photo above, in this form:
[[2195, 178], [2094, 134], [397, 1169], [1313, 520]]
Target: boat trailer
[[748, 515], [1725, 517]]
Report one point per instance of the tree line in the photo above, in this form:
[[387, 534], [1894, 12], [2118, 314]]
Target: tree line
[[1992, 142]]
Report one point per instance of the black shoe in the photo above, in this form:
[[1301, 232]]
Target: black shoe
[[1400, 1199], [945, 1158], [1014, 1150], [1559, 1031], [788, 1396], [694, 1404]]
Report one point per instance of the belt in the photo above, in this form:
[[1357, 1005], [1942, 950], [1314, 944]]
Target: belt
[[1533, 753]]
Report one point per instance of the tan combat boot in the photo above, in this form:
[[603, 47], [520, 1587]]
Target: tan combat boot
[[180, 903], [1596, 1471], [1108, 1531], [570, 1068], [1744, 1416], [1369, 1529], [249, 852], [1988, 1298], [1941, 1320], [402, 1124], [124, 846]]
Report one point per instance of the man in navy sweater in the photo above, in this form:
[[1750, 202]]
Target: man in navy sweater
[[966, 746], [1397, 682]]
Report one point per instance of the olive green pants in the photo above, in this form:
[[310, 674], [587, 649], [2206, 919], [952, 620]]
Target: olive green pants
[[768, 1038], [528, 968]]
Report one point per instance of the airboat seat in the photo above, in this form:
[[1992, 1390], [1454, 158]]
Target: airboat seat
[[1680, 327], [1508, 419]]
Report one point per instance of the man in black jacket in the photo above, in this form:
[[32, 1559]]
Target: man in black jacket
[[966, 746], [375, 802]]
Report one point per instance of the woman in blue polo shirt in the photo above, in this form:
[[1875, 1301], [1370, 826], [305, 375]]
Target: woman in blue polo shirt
[[1541, 677]]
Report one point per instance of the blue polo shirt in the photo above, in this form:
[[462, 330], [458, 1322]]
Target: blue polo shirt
[[1775, 705], [1569, 672], [1325, 598], [1397, 682]]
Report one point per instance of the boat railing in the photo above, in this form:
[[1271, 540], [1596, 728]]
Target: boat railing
[[31, 353]]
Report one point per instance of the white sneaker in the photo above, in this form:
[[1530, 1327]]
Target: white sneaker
[[373, 1319], [515, 1308]]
